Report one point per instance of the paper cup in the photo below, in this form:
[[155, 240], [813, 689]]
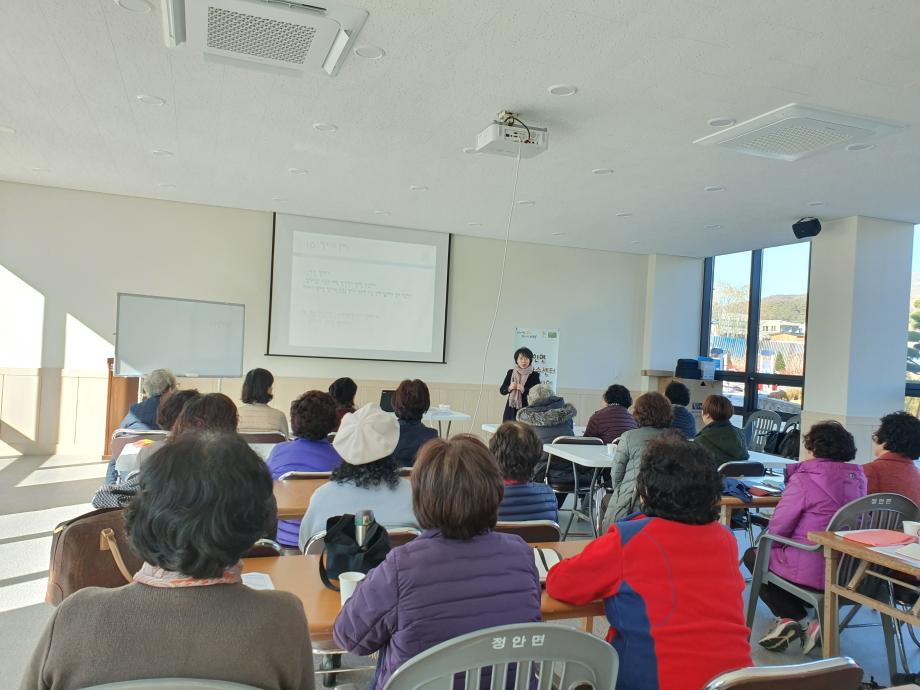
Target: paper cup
[[611, 448], [911, 528], [347, 584]]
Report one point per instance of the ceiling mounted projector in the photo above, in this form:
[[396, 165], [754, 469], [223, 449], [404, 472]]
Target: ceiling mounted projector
[[508, 136], [288, 37]]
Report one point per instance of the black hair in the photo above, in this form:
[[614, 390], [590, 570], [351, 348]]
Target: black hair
[[677, 393], [256, 385], [343, 391], [171, 407], [618, 395], [831, 441], [411, 400], [678, 481], [203, 500], [900, 433], [369, 475], [526, 351]]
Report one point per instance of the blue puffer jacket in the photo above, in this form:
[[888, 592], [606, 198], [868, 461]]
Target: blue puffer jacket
[[528, 501], [434, 589]]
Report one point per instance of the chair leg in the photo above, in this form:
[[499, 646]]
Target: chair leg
[[568, 526], [888, 629], [756, 582]]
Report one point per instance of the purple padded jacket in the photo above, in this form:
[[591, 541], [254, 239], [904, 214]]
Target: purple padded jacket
[[815, 490], [434, 589]]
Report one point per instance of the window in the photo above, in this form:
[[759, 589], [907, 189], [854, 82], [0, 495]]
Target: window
[[912, 397], [757, 303]]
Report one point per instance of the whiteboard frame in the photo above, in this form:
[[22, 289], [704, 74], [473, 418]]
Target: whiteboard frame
[[228, 375]]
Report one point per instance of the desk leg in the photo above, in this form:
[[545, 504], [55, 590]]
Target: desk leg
[[440, 431], [830, 634], [725, 516], [449, 422]]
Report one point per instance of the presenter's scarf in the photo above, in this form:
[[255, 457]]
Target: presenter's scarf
[[519, 376]]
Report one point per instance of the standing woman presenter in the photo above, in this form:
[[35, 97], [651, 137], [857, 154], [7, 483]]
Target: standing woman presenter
[[518, 382]]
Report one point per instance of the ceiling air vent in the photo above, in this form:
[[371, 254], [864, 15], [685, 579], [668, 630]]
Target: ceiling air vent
[[796, 131], [289, 37]]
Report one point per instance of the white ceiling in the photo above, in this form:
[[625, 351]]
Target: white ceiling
[[650, 73]]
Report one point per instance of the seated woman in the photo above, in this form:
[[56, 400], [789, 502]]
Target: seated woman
[[312, 419], [658, 591], [255, 414], [343, 391], [204, 500], [723, 440], [815, 489], [896, 445], [367, 479], [684, 421], [459, 576], [610, 422], [653, 413], [518, 450], [211, 412], [143, 415], [410, 401]]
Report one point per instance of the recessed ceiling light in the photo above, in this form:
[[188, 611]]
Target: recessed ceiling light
[[860, 147], [468, 149], [7, 130], [527, 202], [381, 213], [722, 122], [556, 234], [148, 99], [473, 224], [166, 185], [325, 127], [369, 52], [161, 152], [623, 214], [40, 170], [297, 171], [713, 227], [563, 90], [714, 188], [816, 203], [602, 171], [140, 6], [418, 188]]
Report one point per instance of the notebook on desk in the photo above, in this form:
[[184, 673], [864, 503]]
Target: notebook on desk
[[545, 559]]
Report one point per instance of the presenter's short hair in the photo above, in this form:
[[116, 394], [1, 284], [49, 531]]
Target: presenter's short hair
[[456, 487], [618, 395], [411, 400], [211, 412], [256, 385], [526, 351], [158, 382], [517, 449], [313, 415], [202, 502], [654, 410], [677, 393], [718, 408]]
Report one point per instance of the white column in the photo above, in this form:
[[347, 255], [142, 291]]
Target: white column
[[855, 360]]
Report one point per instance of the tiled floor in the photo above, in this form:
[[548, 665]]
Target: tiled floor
[[36, 493]]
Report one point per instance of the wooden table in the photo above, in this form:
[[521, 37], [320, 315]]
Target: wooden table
[[835, 547], [300, 576], [730, 503], [293, 496]]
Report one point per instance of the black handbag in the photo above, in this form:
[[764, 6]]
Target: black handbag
[[342, 554]]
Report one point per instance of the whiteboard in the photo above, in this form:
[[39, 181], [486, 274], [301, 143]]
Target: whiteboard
[[190, 337]]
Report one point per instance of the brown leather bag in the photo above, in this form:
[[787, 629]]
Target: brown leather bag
[[90, 551]]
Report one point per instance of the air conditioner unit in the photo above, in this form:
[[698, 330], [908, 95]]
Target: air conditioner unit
[[288, 37]]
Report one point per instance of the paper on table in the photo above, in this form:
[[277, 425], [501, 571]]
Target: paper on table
[[258, 581], [893, 552]]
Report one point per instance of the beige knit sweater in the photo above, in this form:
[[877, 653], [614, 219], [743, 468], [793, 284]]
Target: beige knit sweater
[[218, 632]]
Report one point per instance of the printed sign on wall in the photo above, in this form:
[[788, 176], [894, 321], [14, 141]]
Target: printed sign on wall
[[544, 343]]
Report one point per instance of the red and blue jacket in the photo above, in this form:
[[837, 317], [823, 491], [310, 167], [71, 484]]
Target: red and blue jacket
[[673, 597]]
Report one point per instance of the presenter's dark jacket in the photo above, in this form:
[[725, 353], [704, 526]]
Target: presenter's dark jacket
[[412, 436], [532, 380]]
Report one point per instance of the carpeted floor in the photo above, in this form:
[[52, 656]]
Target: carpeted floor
[[37, 492]]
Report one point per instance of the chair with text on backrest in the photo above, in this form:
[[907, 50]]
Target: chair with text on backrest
[[386, 401], [759, 426], [263, 437], [553, 655], [575, 487], [738, 469], [172, 684], [876, 511], [532, 531], [839, 673], [122, 437]]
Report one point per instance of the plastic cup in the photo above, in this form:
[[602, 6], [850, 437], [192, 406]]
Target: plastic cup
[[911, 528], [347, 584]]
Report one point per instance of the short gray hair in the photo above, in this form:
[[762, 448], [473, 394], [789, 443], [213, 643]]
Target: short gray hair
[[158, 382], [541, 391]]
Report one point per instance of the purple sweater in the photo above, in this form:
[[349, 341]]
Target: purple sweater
[[300, 455], [434, 589], [815, 490]]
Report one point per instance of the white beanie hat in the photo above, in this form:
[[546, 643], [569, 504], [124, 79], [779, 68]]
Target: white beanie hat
[[366, 435]]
